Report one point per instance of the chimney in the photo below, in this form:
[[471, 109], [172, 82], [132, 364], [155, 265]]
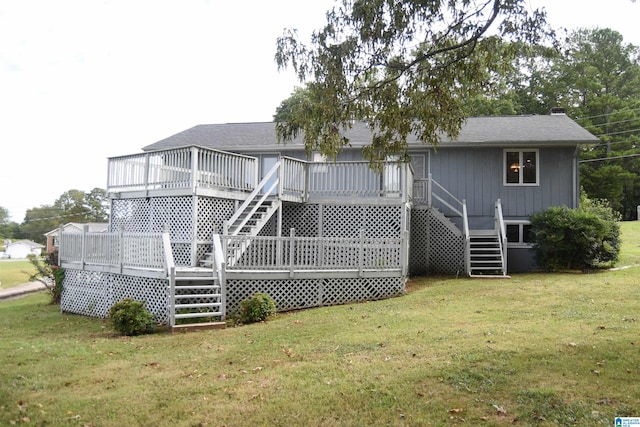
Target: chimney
[[558, 111]]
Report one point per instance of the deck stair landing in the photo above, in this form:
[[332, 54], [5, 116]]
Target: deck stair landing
[[198, 300], [485, 254]]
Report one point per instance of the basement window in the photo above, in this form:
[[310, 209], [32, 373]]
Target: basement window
[[519, 234], [521, 167]]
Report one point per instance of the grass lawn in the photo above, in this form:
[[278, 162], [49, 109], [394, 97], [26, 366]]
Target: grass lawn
[[538, 349], [14, 272]]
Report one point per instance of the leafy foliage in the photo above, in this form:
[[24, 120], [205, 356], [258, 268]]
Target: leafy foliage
[[405, 67], [256, 309], [50, 275], [588, 237], [71, 206], [130, 317]]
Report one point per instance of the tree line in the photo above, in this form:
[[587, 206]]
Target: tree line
[[71, 206]]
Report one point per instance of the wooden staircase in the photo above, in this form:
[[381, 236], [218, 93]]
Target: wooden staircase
[[485, 254], [198, 302]]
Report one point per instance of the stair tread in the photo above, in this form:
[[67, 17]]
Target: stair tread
[[195, 315], [197, 305]]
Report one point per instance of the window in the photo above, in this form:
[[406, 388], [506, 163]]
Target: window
[[518, 233], [521, 167]]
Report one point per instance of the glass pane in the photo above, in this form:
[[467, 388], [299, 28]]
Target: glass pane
[[512, 167], [513, 233], [529, 167], [527, 236]]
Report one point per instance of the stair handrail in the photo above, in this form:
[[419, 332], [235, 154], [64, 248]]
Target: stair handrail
[[431, 195], [170, 269], [500, 228], [467, 239], [252, 196], [220, 270]]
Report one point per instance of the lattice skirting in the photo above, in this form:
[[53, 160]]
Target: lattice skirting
[[92, 293], [435, 247], [304, 293]]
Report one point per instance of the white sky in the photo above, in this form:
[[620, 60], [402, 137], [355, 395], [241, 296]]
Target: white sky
[[84, 80]]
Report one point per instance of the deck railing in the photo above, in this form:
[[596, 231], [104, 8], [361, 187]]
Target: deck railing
[[115, 252], [191, 168], [182, 168], [296, 253], [349, 179], [428, 191]]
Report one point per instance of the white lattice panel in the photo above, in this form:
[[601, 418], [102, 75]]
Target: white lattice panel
[[149, 215], [304, 218], [93, 293], [435, 248], [153, 292], [304, 293], [86, 292], [212, 213]]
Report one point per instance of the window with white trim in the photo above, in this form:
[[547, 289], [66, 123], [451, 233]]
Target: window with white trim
[[521, 167], [518, 233]]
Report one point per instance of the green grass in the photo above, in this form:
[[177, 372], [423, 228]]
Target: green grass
[[539, 349], [14, 272], [630, 254]]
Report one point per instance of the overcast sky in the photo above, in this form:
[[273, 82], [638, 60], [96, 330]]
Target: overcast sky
[[84, 80]]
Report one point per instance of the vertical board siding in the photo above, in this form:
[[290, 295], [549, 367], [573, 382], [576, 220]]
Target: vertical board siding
[[477, 176]]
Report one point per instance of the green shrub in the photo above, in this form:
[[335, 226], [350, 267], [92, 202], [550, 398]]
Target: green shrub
[[584, 238], [130, 317], [48, 274], [256, 309]]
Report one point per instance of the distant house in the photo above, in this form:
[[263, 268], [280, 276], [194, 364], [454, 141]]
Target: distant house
[[23, 248], [73, 227], [208, 217]]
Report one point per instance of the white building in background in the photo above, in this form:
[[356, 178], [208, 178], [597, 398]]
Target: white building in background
[[23, 248]]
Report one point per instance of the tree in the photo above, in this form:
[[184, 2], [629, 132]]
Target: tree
[[600, 75], [404, 66], [8, 228], [71, 206]]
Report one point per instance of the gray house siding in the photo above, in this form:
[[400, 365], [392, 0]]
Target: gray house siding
[[476, 175]]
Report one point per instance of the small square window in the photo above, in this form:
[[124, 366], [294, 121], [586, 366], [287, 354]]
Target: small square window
[[519, 233]]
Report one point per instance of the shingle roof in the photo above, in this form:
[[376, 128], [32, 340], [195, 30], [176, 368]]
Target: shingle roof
[[504, 131], [28, 243]]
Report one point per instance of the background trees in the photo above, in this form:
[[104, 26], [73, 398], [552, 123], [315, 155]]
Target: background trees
[[71, 206]]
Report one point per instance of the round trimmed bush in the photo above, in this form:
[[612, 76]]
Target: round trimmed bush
[[256, 309], [130, 317]]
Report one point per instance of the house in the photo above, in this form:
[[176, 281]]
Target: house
[[209, 216], [23, 248], [73, 227]]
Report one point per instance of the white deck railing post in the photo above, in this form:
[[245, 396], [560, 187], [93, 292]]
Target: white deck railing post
[[361, 254], [220, 270], [147, 172], [292, 251], [429, 191], [83, 249], [121, 248]]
